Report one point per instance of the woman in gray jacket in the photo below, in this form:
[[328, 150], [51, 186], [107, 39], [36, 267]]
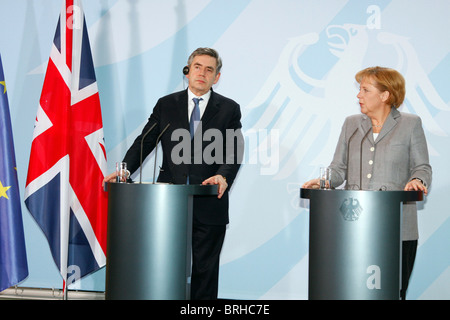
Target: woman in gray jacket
[[384, 149]]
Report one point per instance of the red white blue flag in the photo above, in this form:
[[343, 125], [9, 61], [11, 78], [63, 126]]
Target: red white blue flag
[[68, 160], [13, 257]]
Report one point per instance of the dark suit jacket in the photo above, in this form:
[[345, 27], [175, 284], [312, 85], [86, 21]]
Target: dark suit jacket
[[222, 116]]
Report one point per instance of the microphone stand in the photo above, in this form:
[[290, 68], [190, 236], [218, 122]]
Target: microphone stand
[[360, 159], [142, 144], [156, 150], [348, 155]]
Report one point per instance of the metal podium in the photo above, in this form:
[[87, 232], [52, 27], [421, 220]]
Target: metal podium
[[355, 243], [149, 240]]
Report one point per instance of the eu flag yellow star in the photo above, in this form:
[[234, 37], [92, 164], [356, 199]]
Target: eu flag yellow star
[[3, 83], [3, 190]]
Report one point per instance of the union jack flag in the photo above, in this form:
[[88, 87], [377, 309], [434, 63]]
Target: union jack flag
[[68, 160]]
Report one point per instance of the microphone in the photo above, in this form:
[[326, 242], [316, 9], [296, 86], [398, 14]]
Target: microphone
[[348, 155], [142, 144], [156, 150], [360, 159]]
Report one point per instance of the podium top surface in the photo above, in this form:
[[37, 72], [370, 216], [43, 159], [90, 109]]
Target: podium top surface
[[400, 194], [192, 189]]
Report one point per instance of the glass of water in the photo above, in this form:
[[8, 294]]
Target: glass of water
[[121, 172], [325, 178]]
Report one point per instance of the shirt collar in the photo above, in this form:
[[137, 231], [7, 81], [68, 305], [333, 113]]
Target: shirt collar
[[205, 97]]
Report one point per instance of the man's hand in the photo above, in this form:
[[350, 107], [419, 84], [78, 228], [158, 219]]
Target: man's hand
[[111, 178], [220, 180]]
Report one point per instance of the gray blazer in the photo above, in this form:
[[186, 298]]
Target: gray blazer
[[398, 155]]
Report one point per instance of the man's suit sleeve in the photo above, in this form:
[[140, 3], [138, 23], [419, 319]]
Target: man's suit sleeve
[[235, 150]]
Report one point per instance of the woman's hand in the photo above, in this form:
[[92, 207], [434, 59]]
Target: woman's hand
[[416, 185], [312, 184]]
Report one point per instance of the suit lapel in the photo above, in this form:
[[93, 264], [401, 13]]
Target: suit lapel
[[389, 124], [366, 125], [211, 109], [182, 110]]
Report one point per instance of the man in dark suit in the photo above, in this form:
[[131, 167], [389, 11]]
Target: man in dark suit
[[212, 156]]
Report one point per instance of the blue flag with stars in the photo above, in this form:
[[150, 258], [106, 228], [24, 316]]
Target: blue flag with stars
[[13, 258]]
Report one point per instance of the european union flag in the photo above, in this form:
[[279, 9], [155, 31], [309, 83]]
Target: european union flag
[[13, 258]]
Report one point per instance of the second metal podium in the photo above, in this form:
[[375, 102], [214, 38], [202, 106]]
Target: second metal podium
[[355, 243], [149, 240]]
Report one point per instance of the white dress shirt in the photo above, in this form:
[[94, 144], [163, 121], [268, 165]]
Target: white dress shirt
[[202, 104]]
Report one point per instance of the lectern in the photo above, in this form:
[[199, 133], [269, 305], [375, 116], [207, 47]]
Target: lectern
[[355, 243], [149, 240]]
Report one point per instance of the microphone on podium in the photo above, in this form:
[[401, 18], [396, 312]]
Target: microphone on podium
[[360, 159], [348, 155], [156, 150], [142, 144]]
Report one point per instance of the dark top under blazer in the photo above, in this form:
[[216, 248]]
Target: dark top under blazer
[[221, 113]]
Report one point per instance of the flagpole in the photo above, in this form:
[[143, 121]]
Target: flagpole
[[64, 290]]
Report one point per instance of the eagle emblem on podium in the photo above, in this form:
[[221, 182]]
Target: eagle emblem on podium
[[351, 209]]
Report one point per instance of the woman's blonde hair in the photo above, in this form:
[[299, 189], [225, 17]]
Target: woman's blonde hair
[[385, 79]]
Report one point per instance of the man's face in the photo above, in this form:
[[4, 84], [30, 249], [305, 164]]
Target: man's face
[[202, 74]]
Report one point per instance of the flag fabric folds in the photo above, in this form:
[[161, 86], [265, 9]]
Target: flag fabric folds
[[13, 258], [63, 190]]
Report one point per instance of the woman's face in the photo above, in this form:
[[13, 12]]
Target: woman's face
[[371, 100]]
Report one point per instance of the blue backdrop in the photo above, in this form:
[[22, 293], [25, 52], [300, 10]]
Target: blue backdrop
[[291, 65]]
